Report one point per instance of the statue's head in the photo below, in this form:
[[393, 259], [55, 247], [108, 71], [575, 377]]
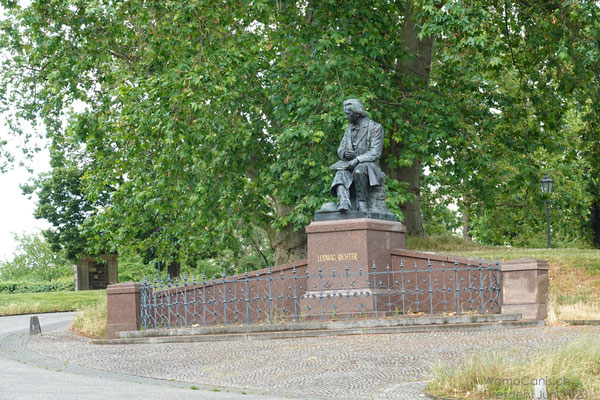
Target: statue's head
[[354, 110]]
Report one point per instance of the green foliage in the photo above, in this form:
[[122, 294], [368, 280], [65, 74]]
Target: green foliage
[[440, 218], [57, 285], [62, 201], [521, 78], [203, 120], [132, 268], [34, 261]]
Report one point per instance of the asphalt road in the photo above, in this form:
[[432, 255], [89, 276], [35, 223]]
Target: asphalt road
[[29, 376]]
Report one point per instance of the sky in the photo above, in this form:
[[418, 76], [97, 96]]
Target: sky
[[16, 210]]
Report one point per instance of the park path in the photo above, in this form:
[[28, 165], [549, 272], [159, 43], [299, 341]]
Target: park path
[[30, 375], [392, 366]]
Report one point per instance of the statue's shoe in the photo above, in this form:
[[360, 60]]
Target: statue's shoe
[[344, 206], [328, 208]]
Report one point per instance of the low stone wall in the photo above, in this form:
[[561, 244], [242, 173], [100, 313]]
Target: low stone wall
[[123, 308], [525, 288], [415, 283], [228, 300]]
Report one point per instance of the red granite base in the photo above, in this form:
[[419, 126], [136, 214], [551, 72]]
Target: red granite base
[[342, 252]]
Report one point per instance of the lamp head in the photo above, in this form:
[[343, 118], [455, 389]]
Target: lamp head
[[546, 184]]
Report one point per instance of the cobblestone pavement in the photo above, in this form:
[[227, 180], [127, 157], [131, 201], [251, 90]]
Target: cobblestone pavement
[[361, 366], [27, 375]]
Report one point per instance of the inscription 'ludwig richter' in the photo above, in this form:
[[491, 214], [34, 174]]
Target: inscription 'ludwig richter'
[[359, 182], [337, 257]]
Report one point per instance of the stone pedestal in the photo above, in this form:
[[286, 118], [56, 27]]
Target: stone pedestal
[[123, 308], [341, 254], [525, 288]]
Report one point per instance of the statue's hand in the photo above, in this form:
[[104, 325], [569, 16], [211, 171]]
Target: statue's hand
[[353, 163], [349, 154]]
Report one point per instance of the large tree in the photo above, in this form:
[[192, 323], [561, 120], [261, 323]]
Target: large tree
[[205, 119]]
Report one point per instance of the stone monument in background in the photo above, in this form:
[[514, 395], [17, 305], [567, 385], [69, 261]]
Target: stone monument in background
[[96, 273]]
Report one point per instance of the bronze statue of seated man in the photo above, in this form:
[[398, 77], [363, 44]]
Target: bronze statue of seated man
[[358, 171]]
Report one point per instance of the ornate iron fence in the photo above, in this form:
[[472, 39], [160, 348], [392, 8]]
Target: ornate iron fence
[[294, 294]]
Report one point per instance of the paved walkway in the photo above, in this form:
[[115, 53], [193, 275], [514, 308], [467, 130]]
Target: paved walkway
[[28, 375], [363, 366]]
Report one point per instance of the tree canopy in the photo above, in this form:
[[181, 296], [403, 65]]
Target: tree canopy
[[199, 122]]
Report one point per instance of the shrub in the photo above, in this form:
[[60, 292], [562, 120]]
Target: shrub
[[59, 285]]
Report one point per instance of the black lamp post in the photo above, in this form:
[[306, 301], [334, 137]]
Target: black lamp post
[[547, 184]]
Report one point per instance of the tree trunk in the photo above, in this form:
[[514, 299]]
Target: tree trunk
[[411, 176], [288, 245], [416, 67], [595, 218], [174, 270], [466, 229]]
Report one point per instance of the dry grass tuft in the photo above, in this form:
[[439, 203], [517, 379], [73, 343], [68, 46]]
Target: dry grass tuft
[[571, 371], [579, 310], [91, 320]]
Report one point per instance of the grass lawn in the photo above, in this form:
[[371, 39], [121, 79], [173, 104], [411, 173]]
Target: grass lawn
[[29, 303]]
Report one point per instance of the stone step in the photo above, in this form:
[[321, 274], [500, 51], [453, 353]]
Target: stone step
[[324, 325], [320, 332]]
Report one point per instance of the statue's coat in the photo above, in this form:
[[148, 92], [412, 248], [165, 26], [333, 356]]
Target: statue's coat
[[368, 147]]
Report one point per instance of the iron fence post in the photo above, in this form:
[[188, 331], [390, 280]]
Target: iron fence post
[[296, 316], [402, 288], [329, 295], [389, 289], [347, 268], [282, 296], [247, 298], [445, 301], [235, 298], [375, 289], [214, 299], [257, 297], [155, 303], [203, 298], [185, 300], [308, 307], [224, 298], [195, 301], [481, 286], [457, 288], [362, 304], [321, 289], [470, 285], [417, 286], [430, 288], [270, 297], [169, 310], [495, 291]]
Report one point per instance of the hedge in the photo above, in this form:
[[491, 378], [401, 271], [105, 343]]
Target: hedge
[[59, 285]]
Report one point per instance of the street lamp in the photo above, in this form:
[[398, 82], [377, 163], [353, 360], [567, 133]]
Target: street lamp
[[547, 184]]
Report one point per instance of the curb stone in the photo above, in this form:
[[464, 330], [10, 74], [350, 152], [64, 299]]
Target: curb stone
[[153, 338]]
